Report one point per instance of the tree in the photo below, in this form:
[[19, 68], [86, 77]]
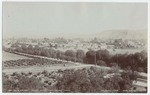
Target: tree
[[44, 52], [37, 50], [80, 54], [29, 84], [70, 53], [52, 53], [15, 45], [30, 49], [102, 55], [81, 80], [91, 57], [112, 84], [140, 59], [59, 54], [23, 46], [126, 82]]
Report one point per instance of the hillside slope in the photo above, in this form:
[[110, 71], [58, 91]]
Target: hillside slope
[[124, 34]]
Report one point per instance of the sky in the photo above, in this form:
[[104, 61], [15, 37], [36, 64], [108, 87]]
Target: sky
[[70, 20]]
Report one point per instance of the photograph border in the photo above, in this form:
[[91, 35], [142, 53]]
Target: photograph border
[[130, 1]]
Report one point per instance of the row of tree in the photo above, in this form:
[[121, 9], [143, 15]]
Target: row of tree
[[136, 61], [69, 55]]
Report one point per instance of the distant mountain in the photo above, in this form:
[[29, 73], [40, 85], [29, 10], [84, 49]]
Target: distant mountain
[[123, 34]]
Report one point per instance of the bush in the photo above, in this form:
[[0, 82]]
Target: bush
[[29, 84], [84, 80], [21, 84], [101, 63], [140, 69]]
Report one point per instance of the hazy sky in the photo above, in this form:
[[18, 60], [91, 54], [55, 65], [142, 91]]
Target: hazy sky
[[71, 19]]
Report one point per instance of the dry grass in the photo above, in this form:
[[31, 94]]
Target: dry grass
[[9, 56]]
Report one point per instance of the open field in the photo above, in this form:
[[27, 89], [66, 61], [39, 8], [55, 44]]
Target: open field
[[36, 69], [53, 67], [9, 56]]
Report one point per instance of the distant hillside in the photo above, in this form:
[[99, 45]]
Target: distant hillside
[[124, 34]]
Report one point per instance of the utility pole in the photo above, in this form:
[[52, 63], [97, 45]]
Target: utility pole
[[75, 58], [117, 58]]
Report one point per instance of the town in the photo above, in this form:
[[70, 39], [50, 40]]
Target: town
[[75, 44]]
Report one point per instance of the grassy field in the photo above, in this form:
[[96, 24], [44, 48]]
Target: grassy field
[[6, 56]]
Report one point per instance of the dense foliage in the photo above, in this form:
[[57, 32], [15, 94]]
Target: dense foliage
[[69, 80], [136, 61], [32, 62]]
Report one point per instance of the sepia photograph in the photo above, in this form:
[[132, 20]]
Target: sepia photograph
[[74, 47]]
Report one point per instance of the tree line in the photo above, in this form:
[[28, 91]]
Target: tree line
[[136, 61]]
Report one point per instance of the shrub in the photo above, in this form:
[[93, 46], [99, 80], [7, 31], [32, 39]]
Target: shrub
[[29, 84], [140, 69], [101, 63], [84, 80]]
